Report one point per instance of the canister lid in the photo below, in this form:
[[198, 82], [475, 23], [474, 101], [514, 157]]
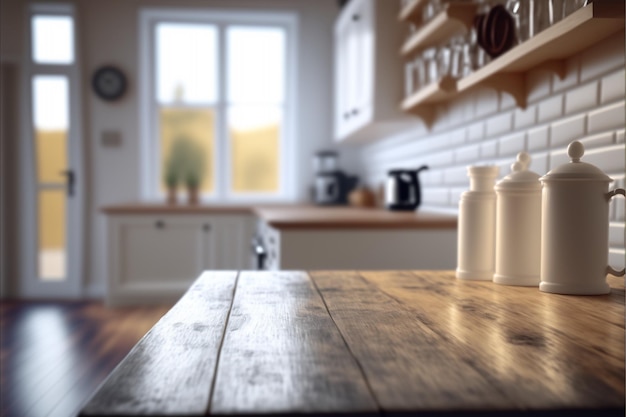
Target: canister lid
[[490, 171], [576, 169], [520, 177]]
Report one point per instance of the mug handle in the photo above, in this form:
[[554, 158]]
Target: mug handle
[[615, 192], [610, 195]]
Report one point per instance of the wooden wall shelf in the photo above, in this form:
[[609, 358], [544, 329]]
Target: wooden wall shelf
[[433, 93], [455, 19], [412, 12], [548, 49]]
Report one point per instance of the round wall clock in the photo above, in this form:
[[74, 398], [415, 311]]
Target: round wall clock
[[109, 83]]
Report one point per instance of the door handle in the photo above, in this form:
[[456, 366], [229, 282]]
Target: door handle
[[70, 181]]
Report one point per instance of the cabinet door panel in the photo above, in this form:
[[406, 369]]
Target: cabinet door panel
[[363, 67], [233, 243], [342, 105], [352, 66], [354, 37], [173, 252], [368, 71]]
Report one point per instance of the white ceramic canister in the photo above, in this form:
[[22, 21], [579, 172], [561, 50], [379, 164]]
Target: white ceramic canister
[[518, 226], [476, 228], [575, 227]]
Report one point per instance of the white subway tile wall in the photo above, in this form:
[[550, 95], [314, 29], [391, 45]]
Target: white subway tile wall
[[581, 98], [538, 138], [613, 87], [485, 127], [605, 118], [563, 131], [525, 117], [550, 108]]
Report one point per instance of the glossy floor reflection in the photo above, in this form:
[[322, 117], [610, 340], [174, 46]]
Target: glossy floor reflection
[[54, 355]]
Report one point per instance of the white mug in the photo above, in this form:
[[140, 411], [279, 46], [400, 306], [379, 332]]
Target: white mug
[[575, 228]]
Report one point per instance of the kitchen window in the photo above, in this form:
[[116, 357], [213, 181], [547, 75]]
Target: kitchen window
[[219, 84]]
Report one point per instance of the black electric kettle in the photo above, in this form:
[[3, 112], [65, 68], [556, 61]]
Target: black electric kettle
[[402, 190]]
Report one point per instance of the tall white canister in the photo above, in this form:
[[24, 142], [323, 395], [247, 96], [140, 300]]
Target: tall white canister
[[477, 224], [575, 227], [518, 226]]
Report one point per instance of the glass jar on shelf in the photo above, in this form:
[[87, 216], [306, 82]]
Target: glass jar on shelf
[[428, 12], [533, 16], [409, 79], [432, 8], [456, 58], [430, 66], [520, 10], [419, 68], [570, 6], [474, 56], [443, 61]]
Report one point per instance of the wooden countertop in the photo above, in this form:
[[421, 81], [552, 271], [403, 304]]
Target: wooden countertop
[[160, 208], [312, 217], [302, 216], [371, 343]]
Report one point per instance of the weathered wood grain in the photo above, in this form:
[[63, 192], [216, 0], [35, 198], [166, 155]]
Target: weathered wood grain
[[409, 366], [282, 353], [543, 351], [346, 342], [170, 371]]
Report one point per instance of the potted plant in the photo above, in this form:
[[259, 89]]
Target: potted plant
[[171, 182], [171, 176], [194, 171], [187, 164], [192, 182]]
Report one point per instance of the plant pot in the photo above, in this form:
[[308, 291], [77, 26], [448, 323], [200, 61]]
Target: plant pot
[[192, 195], [172, 195]]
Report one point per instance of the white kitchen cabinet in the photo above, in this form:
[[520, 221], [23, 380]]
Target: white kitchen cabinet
[[368, 71], [156, 257]]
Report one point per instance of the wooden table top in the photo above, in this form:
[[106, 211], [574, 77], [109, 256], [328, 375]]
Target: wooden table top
[[370, 343]]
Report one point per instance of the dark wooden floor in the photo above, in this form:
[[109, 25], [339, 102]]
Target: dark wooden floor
[[54, 355]]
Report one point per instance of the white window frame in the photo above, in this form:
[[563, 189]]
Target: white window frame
[[148, 106]]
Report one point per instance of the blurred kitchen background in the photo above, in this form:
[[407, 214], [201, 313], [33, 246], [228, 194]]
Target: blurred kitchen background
[[253, 91]]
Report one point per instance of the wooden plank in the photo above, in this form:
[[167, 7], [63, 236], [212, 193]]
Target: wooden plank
[[283, 354], [432, 93], [544, 351], [409, 366], [170, 371]]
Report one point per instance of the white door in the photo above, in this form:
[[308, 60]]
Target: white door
[[52, 180]]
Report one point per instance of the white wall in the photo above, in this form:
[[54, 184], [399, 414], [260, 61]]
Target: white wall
[[486, 127]]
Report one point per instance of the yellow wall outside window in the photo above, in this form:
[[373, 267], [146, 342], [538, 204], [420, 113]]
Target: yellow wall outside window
[[51, 160]]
